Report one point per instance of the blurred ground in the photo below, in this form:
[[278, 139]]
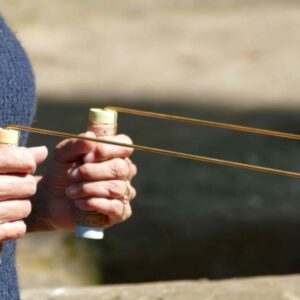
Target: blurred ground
[[234, 61], [244, 52]]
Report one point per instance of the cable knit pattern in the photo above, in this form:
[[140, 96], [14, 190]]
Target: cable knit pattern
[[17, 95]]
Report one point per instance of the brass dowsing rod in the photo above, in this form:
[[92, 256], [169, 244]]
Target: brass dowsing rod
[[193, 121], [160, 151]]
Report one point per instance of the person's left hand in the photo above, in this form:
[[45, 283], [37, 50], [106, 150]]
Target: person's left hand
[[90, 176]]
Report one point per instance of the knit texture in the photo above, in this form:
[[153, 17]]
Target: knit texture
[[17, 95]]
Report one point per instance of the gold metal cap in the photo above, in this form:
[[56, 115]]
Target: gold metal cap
[[9, 136], [103, 116]]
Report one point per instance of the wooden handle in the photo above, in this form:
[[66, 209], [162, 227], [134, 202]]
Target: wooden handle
[[102, 123]]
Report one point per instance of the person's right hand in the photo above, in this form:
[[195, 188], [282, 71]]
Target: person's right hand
[[17, 185]]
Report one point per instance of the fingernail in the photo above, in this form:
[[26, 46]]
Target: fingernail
[[74, 174], [90, 157], [72, 189]]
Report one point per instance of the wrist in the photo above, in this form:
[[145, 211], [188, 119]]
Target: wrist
[[40, 218]]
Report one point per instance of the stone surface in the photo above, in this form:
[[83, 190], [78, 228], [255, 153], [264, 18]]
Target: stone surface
[[268, 288]]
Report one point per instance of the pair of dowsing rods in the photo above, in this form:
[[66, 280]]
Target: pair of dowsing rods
[[174, 153]]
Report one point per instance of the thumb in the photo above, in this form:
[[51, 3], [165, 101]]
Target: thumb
[[72, 150], [39, 153]]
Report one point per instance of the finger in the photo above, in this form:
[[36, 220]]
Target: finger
[[17, 160], [104, 151], [17, 187], [132, 166], [39, 154], [117, 211], [14, 210], [101, 189], [116, 168], [132, 194], [72, 149], [133, 170], [12, 230]]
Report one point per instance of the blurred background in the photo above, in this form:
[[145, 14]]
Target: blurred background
[[235, 61]]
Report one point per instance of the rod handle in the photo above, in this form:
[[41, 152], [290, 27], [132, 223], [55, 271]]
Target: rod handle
[[89, 224]]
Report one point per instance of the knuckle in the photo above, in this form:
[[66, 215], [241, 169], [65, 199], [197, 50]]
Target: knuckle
[[135, 169], [27, 160], [115, 210], [116, 188], [125, 138], [84, 171], [4, 213], [3, 232], [90, 204], [128, 151], [127, 213], [120, 211], [104, 151], [19, 231], [84, 189], [30, 186], [120, 168], [12, 231], [27, 208], [133, 193]]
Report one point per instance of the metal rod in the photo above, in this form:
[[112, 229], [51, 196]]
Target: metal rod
[[252, 130], [160, 151]]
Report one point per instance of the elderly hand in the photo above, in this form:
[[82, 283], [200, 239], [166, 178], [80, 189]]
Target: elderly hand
[[17, 185], [90, 176]]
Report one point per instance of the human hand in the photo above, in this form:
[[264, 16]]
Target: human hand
[[17, 185], [93, 177]]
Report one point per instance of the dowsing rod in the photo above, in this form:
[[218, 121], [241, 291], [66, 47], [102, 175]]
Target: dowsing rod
[[284, 135], [160, 151]]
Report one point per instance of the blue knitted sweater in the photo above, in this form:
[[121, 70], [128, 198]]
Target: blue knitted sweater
[[17, 95]]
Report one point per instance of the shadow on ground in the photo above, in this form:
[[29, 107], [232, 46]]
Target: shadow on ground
[[194, 220]]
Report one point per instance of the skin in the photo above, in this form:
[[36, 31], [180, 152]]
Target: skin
[[87, 175]]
